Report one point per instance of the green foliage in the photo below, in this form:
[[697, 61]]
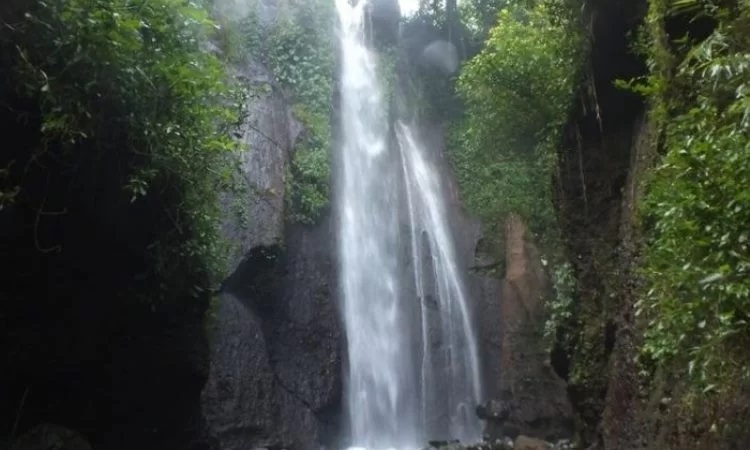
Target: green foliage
[[8, 190], [300, 53], [298, 49], [308, 181], [517, 93], [229, 41], [481, 15], [560, 309], [240, 33], [131, 80], [698, 258], [476, 18]]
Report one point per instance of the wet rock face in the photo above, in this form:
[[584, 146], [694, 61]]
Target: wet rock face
[[527, 443], [523, 393], [477, 262], [275, 378], [275, 375], [505, 443], [525, 396], [494, 410], [268, 134], [236, 409]]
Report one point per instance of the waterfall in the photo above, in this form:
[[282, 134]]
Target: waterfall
[[379, 368], [449, 373], [412, 359]]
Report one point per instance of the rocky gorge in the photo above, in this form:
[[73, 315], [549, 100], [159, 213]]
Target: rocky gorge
[[109, 344], [276, 371], [269, 372]]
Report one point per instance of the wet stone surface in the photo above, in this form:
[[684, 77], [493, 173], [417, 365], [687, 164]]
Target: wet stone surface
[[505, 443]]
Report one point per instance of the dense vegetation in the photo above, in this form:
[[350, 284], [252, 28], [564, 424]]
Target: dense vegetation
[[302, 58], [697, 205], [298, 49], [124, 101], [517, 92], [119, 122], [513, 97], [505, 110], [129, 81]]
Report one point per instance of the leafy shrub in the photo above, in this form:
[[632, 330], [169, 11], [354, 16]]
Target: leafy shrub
[[298, 49], [300, 53], [517, 93], [697, 263], [560, 309], [131, 80]]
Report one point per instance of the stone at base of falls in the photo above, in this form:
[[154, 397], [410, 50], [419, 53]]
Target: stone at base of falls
[[443, 444], [505, 443], [527, 396], [564, 444], [527, 443], [522, 442], [49, 436], [494, 410]]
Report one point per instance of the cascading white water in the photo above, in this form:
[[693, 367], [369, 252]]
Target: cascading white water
[[368, 242], [449, 372], [413, 371]]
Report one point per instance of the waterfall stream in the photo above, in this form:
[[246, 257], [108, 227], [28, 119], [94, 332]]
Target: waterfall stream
[[449, 379], [413, 371]]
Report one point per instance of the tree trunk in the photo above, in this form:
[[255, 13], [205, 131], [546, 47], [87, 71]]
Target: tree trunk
[[453, 25]]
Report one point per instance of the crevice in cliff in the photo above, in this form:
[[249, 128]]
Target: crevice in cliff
[[294, 394], [594, 165], [257, 277]]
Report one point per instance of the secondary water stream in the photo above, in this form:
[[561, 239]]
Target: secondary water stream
[[449, 373], [413, 372]]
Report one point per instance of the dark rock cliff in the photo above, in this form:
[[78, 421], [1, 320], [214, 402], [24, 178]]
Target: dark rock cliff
[[611, 146], [275, 377], [507, 288], [86, 345], [535, 395], [600, 164], [523, 393]]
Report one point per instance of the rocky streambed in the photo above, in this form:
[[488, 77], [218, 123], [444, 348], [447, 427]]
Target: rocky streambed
[[506, 443]]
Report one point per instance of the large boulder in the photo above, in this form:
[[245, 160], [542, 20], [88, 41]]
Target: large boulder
[[275, 377], [533, 396], [527, 443]]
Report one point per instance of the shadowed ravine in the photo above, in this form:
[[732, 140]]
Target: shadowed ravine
[[375, 224], [413, 368]]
